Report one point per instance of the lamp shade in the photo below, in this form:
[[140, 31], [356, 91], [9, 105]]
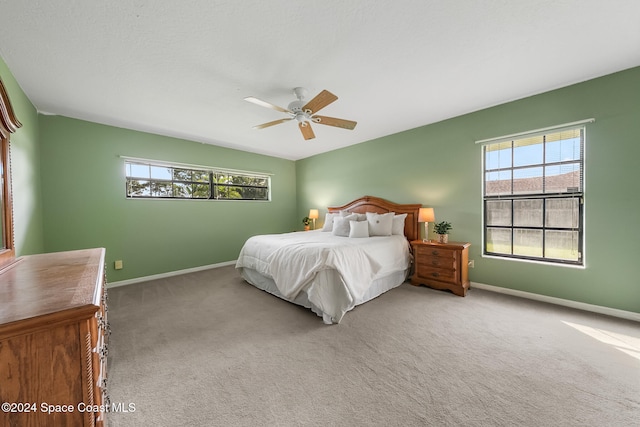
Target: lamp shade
[[426, 215], [313, 214]]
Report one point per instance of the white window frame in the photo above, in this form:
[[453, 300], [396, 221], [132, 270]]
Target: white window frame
[[542, 197]]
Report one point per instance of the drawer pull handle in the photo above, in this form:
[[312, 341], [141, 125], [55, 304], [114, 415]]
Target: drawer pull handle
[[435, 274], [100, 321], [435, 253], [434, 262], [105, 397], [103, 352]]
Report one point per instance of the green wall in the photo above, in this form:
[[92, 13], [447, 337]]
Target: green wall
[[439, 165], [85, 206], [25, 170], [68, 182]]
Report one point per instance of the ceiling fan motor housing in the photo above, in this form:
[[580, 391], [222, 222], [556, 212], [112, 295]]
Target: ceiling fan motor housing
[[296, 106]]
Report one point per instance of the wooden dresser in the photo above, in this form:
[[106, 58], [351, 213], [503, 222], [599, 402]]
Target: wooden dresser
[[441, 265], [53, 340]]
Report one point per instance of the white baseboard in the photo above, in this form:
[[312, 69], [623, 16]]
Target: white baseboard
[[629, 315], [168, 274]]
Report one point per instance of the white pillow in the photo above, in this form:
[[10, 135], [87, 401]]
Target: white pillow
[[359, 229], [361, 216], [398, 224], [341, 226], [380, 224], [328, 221]]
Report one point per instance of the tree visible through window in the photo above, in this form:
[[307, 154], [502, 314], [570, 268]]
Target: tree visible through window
[[533, 197], [149, 180]]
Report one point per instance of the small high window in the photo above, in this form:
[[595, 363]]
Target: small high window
[[173, 181]]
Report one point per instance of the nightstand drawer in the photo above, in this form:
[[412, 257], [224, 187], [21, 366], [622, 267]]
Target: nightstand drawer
[[437, 262], [445, 255], [435, 273]]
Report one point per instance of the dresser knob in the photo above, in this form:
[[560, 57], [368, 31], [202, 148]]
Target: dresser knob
[[435, 274], [435, 253]]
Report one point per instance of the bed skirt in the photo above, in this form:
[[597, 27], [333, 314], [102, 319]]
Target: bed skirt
[[325, 278]]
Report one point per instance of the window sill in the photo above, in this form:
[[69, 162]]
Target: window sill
[[532, 261]]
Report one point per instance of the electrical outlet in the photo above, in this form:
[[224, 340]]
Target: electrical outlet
[[118, 265], [472, 264]]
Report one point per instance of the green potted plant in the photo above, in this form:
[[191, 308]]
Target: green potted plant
[[306, 221], [442, 229]]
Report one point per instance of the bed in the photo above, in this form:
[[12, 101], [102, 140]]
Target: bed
[[348, 262]]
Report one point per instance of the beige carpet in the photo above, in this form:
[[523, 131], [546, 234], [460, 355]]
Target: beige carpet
[[207, 349]]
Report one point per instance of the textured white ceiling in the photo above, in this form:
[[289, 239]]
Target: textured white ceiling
[[182, 68]]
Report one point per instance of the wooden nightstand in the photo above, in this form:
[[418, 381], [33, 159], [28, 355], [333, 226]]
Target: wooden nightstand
[[441, 265]]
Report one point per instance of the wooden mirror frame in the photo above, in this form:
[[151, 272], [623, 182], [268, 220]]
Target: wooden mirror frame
[[8, 125]]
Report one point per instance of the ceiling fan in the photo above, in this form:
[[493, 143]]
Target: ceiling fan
[[305, 112]]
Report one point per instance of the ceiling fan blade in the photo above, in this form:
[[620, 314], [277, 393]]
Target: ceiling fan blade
[[321, 100], [275, 122], [332, 121], [307, 132], [262, 103]]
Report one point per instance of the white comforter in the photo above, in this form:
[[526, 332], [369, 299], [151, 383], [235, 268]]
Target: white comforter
[[293, 259]]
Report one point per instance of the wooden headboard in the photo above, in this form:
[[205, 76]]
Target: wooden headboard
[[378, 205]]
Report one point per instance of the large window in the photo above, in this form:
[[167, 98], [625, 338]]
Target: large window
[[172, 181], [533, 196]]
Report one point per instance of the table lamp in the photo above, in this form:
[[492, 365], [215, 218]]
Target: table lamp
[[426, 215], [313, 214]]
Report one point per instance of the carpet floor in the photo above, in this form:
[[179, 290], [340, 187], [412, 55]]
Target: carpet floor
[[207, 349]]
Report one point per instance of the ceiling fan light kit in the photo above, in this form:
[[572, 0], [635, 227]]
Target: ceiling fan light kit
[[303, 112]]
